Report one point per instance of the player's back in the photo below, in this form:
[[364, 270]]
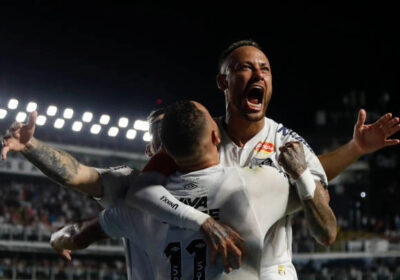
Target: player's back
[[224, 194]]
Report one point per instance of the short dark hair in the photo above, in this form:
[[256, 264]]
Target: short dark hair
[[154, 128], [154, 114], [233, 47], [181, 129]]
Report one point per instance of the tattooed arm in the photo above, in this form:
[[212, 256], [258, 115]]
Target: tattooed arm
[[319, 216], [76, 236], [56, 164]]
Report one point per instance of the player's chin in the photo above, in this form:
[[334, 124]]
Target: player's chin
[[254, 116]]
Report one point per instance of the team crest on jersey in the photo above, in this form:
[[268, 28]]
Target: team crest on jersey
[[190, 186], [263, 149]]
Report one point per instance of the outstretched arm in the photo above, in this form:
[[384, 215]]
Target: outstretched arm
[[77, 236], [319, 216], [367, 138], [56, 164]]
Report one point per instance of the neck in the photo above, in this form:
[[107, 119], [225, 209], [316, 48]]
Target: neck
[[194, 164], [240, 129]]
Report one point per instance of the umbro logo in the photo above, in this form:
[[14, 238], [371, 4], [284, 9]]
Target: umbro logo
[[190, 186]]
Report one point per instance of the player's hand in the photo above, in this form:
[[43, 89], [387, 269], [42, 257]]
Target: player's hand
[[56, 244], [18, 136], [369, 138], [292, 159], [224, 241]]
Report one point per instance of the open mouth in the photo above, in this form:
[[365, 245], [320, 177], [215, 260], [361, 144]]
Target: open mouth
[[255, 97]]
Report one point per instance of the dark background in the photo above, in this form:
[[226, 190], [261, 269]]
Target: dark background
[[121, 57]]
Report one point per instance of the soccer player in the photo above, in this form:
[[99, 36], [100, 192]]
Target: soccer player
[[245, 78], [249, 199], [107, 186], [248, 138]]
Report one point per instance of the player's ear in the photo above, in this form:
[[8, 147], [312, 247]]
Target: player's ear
[[215, 138], [221, 82], [148, 151]]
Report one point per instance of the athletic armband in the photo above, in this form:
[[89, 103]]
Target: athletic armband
[[305, 185]]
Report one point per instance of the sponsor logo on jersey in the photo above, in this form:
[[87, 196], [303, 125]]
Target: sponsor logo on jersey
[[201, 202], [190, 186], [169, 202], [286, 131], [263, 149], [195, 202]]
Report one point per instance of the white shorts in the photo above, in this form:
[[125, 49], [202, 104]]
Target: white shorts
[[285, 271]]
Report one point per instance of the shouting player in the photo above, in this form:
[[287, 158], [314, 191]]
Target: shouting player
[[249, 199]]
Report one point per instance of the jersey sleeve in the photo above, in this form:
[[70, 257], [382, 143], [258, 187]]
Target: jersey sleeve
[[285, 135], [115, 182], [118, 221], [149, 195]]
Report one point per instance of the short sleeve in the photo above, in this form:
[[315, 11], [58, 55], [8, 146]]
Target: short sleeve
[[313, 163], [115, 182]]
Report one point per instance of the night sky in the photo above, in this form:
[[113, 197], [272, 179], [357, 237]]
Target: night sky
[[121, 58]]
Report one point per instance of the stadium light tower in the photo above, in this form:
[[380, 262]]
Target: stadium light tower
[[3, 113], [13, 104], [21, 117], [87, 117], [51, 110], [104, 119], [41, 120], [32, 106], [131, 134], [113, 131], [141, 125], [77, 126], [68, 113], [147, 137], [59, 123], [95, 129]]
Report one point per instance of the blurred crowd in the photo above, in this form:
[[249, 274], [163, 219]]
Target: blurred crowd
[[57, 269], [32, 209]]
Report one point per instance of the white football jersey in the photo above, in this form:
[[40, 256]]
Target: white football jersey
[[261, 150], [250, 200], [115, 182]]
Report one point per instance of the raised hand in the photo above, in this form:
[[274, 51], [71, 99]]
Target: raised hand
[[369, 138], [224, 241], [18, 135], [292, 158]]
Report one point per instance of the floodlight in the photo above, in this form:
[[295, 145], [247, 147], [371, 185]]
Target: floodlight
[[77, 126], [32, 106], [95, 129], [12, 104], [87, 117], [104, 119], [131, 134], [3, 113], [113, 131], [123, 122], [59, 123], [21, 116], [147, 137], [51, 110], [363, 194], [68, 113], [141, 125], [41, 120]]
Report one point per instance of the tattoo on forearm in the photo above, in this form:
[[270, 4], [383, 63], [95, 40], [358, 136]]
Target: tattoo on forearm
[[58, 165], [321, 219]]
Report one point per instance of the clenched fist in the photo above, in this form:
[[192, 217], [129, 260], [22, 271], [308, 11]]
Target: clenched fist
[[292, 159]]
